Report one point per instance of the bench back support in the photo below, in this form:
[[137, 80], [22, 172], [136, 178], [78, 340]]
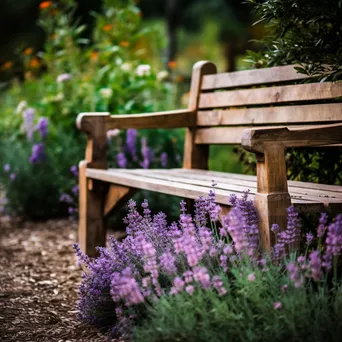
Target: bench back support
[[231, 102]]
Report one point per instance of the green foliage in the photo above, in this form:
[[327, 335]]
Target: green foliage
[[247, 312], [307, 33], [304, 32], [109, 72]]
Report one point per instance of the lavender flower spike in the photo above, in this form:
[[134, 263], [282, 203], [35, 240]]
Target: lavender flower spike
[[38, 153], [42, 126], [7, 167]]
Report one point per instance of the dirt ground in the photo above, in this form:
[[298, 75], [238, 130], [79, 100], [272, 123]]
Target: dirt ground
[[39, 282]]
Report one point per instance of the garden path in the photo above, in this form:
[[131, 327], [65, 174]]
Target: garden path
[[38, 283]]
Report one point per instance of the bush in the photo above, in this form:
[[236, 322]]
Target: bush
[[309, 34], [198, 280], [74, 74]]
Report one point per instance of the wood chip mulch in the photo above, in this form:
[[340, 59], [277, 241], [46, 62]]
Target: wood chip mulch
[[39, 282]]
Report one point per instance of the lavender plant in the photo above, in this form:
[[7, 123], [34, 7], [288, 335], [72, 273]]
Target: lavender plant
[[197, 280]]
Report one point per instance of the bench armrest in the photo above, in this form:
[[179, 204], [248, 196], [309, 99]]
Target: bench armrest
[[167, 119], [255, 139]]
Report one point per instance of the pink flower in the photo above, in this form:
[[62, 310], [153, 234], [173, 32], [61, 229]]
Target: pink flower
[[251, 277], [190, 289], [277, 305]]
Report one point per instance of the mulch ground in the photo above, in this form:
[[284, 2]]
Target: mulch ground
[[39, 282]]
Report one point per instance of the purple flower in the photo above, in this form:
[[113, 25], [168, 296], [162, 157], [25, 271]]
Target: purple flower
[[293, 228], [74, 170], [42, 126], [323, 220], [71, 210], [178, 285], [7, 167], [12, 176], [66, 198], [75, 189], [202, 276], [121, 160], [315, 265], [131, 143], [218, 285], [334, 237], [147, 154], [28, 116], [309, 238], [38, 153], [190, 289], [163, 159], [63, 77], [251, 277], [277, 305], [294, 274], [167, 262]]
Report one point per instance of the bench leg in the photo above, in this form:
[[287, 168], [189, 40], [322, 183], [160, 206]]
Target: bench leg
[[92, 225], [271, 209], [272, 197]]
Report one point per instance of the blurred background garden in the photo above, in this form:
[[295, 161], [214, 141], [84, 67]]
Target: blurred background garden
[[60, 58]]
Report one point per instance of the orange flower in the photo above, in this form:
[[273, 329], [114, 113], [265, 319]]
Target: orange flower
[[45, 4], [34, 63], [94, 55], [172, 64], [124, 43], [8, 65], [107, 27], [28, 51]]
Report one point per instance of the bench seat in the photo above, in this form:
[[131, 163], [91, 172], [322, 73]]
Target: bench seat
[[192, 183]]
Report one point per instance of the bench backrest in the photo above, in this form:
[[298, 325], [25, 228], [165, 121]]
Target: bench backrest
[[228, 103]]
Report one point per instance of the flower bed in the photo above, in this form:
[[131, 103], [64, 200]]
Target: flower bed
[[197, 280]]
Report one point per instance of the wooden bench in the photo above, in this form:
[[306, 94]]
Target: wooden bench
[[261, 109]]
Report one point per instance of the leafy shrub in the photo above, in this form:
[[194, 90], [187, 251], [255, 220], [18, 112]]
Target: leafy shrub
[[309, 34], [196, 279], [73, 74]]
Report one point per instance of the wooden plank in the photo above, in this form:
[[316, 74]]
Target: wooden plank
[[234, 185], [170, 119], [196, 156], [257, 139], [296, 184], [328, 112], [92, 227], [121, 177], [153, 184], [252, 77], [230, 135], [116, 196], [245, 184], [271, 95]]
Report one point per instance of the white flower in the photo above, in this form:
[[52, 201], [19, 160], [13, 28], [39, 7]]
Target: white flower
[[63, 77], [59, 97], [21, 106], [126, 67], [112, 133], [162, 75], [143, 70], [106, 93]]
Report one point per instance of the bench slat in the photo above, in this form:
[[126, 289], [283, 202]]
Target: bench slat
[[186, 189], [323, 197], [251, 77], [320, 113], [245, 184], [296, 184], [271, 95], [229, 135]]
